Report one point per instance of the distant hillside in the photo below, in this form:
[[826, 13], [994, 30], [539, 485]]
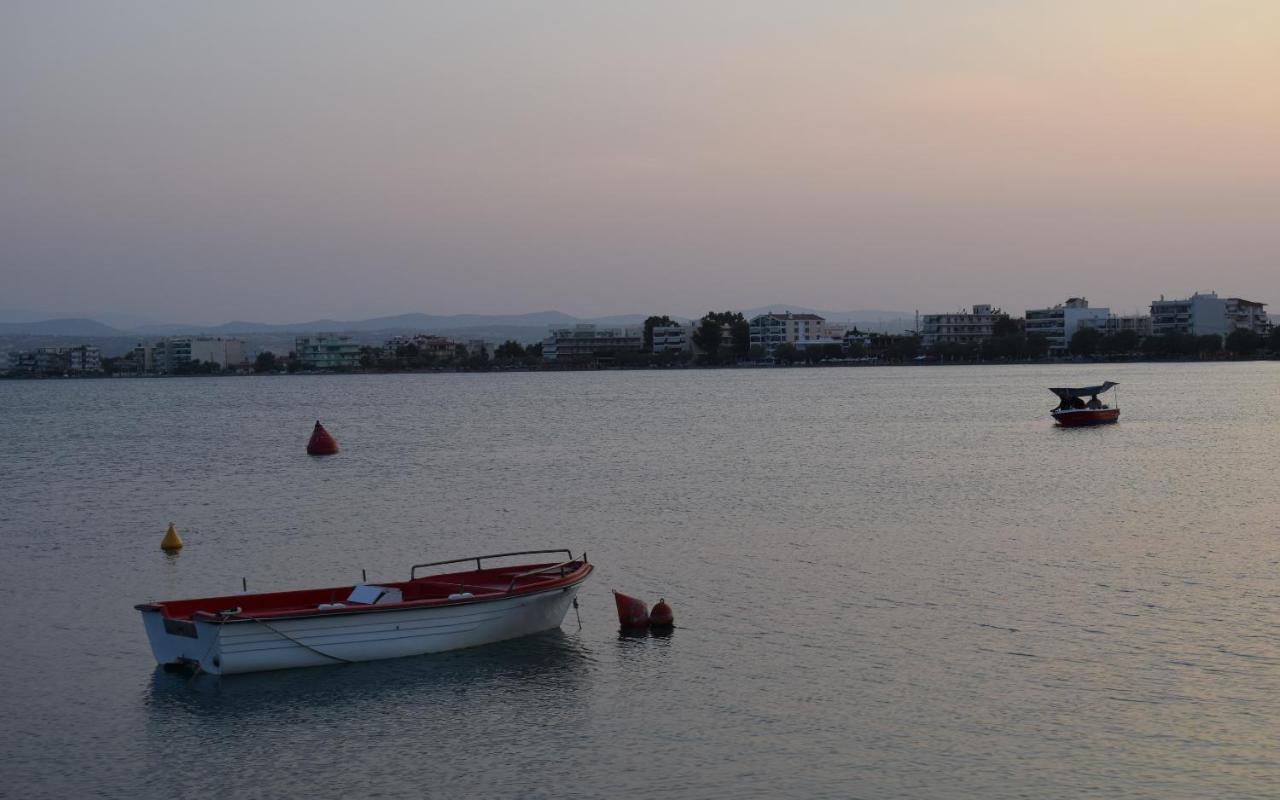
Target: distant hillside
[[521, 327], [868, 319], [402, 322], [58, 327]]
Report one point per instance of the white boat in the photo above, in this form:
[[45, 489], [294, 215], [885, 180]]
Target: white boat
[[367, 621]]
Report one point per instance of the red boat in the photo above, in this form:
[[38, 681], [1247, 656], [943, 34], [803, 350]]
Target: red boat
[[428, 613], [1074, 411]]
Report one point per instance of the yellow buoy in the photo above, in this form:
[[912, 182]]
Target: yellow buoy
[[171, 541]]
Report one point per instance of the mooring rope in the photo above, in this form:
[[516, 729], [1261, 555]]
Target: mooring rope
[[298, 642]]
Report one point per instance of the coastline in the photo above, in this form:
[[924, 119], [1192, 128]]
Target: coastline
[[597, 367]]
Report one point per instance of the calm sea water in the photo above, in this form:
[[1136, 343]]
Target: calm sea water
[[888, 583]]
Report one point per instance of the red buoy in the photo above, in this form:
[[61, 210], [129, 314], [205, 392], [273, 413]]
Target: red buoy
[[633, 614], [321, 444], [661, 616]]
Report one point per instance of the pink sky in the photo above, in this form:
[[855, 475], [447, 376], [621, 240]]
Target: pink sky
[[297, 159]]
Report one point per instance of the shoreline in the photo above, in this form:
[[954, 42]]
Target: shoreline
[[644, 368]]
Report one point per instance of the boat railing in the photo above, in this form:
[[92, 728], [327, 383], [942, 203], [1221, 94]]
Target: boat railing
[[413, 571], [560, 568]]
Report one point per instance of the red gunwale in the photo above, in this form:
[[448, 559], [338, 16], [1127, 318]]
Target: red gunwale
[[426, 592], [1087, 416]]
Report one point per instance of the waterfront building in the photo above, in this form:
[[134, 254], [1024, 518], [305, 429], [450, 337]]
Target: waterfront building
[[1138, 323], [855, 338], [142, 358], [426, 344], [958, 327], [771, 329], [173, 352], [326, 351], [1205, 313], [78, 360], [587, 342], [672, 338], [818, 342], [1248, 315], [1059, 323]]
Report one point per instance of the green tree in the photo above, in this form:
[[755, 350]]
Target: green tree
[[823, 352], [1004, 325], [650, 324], [757, 352], [739, 342], [786, 353], [1008, 346], [1208, 344], [1120, 342], [265, 362], [510, 350], [1273, 341], [707, 337], [1036, 345], [1085, 342], [1243, 342]]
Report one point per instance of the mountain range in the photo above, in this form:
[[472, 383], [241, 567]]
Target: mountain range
[[532, 325]]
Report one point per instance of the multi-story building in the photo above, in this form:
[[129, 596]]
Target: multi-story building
[[672, 338], [85, 358], [173, 352], [1059, 323], [326, 351], [1201, 313], [1249, 315], [587, 342], [770, 330], [77, 360], [427, 344], [958, 327], [854, 339], [1138, 323], [1206, 313]]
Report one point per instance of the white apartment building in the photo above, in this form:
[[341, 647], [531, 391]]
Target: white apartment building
[[1249, 315], [57, 360], [326, 351], [770, 330], [586, 341], [1205, 313], [958, 327], [1138, 323], [172, 352], [672, 338], [1059, 323]]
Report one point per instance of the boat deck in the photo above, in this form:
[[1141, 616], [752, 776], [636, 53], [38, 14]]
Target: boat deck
[[452, 588]]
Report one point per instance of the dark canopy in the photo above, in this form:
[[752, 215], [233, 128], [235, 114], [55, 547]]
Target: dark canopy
[[1084, 391]]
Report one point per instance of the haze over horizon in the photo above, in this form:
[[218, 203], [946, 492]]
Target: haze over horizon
[[302, 160]]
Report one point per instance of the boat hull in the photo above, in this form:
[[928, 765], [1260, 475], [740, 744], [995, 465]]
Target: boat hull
[[1085, 417], [255, 645]]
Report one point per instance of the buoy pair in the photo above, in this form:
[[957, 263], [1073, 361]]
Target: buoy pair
[[321, 444], [634, 615]]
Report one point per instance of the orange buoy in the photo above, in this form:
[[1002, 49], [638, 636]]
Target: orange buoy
[[172, 542], [321, 444], [633, 614], [661, 616]]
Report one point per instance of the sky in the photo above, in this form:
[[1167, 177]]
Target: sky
[[287, 160]]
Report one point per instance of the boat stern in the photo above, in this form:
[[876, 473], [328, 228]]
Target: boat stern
[[179, 642]]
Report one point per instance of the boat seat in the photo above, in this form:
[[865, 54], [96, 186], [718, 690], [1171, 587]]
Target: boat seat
[[367, 594]]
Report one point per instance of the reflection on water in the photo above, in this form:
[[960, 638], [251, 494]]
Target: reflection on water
[[891, 583], [516, 673]]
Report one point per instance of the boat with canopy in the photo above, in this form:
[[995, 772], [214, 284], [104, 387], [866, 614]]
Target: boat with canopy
[[1075, 411], [428, 613]]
